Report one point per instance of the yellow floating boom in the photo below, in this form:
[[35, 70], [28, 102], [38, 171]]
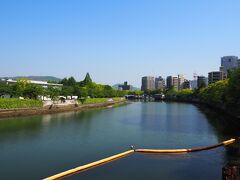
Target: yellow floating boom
[[87, 166], [162, 151], [110, 159], [224, 143]]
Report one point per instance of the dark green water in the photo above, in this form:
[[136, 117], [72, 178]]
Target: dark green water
[[40, 146]]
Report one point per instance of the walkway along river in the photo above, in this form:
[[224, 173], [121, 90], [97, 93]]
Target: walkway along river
[[49, 144]]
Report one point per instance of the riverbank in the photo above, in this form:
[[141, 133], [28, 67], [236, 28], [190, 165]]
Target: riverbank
[[216, 107], [51, 109]]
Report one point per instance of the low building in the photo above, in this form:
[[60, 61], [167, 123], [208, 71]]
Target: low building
[[41, 83], [124, 86], [215, 76]]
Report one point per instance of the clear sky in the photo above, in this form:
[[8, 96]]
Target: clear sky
[[116, 40]]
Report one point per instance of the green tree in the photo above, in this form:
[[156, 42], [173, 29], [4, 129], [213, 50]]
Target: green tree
[[184, 94], [23, 83], [82, 92], [71, 81], [107, 87], [53, 92], [67, 90], [171, 92], [215, 93], [20, 86], [68, 81], [233, 91], [64, 81], [5, 89], [32, 91], [87, 80]]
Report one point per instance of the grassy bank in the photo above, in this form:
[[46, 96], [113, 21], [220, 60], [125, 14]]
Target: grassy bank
[[9, 112], [19, 103], [99, 100]]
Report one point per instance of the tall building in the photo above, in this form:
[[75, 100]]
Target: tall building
[[148, 83], [201, 81], [180, 81], [169, 82], [229, 63], [175, 82], [159, 83]]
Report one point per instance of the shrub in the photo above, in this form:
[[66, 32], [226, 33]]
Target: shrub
[[19, 103]]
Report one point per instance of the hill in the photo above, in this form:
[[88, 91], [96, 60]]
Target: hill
[[36, 78]]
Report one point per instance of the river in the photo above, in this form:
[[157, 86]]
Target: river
[[40, 146]]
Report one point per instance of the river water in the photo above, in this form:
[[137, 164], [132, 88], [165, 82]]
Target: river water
[[39, 146]]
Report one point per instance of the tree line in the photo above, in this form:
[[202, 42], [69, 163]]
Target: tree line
[[224, 94], [82, 89]]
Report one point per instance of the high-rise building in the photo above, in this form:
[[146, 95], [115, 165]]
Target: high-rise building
[[148, 83], [201, 81], [229, 63], [180, 81], [159, 83], [169, 82], [175, 82]]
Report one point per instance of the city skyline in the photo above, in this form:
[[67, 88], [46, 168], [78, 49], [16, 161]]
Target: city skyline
[[159, 82], [116, 41]]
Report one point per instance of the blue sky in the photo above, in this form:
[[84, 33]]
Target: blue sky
[[116, 40]]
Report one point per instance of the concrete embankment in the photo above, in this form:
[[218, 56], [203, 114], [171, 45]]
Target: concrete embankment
[[5, 113]]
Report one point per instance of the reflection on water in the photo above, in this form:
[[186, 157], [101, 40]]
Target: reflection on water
[[222, 124], [225, 126], [37, 124], [49, 144]]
